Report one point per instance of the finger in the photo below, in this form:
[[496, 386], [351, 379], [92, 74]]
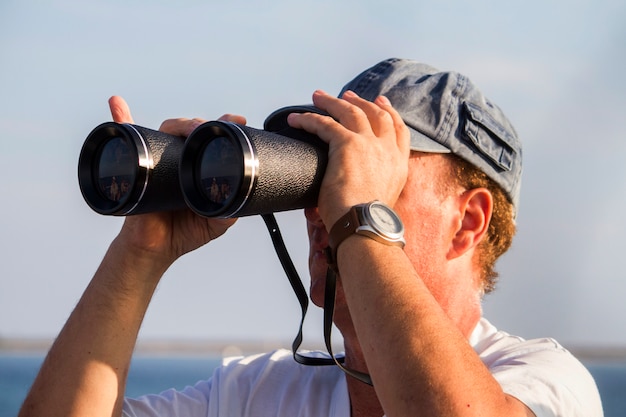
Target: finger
[[324, 127], [234, 118], [340, 123], [357, 114], [180, 126], [380, 121], [403, 136], [349, 115], [183, 126], [120, 110]]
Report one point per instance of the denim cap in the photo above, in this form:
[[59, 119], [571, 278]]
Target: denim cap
[[445, 113]]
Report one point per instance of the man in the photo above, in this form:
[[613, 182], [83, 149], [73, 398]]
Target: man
[[433, 148]]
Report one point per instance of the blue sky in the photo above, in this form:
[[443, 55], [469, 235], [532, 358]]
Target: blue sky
[[555, 67]]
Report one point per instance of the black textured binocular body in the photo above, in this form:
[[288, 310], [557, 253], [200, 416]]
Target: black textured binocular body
[[221, 170]]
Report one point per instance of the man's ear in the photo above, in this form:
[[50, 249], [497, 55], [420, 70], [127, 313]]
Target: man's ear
[[475, 209]]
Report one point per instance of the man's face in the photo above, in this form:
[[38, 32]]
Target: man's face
[[426, 216]]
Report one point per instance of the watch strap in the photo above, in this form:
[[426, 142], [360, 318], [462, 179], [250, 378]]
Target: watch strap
[[345, 227]]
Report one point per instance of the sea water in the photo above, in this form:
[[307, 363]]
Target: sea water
[[155, 374]]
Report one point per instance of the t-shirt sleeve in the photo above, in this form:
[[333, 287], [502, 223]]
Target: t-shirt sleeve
[[550, 382], [542, 374], [191, 401]]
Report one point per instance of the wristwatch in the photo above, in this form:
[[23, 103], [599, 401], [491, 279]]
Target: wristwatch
[[375, 220]]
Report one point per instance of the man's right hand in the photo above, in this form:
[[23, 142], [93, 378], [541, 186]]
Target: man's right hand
[[85, 371], [168, 235]]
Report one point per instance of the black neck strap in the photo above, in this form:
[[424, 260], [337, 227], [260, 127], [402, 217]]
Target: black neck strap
[[303, 299]]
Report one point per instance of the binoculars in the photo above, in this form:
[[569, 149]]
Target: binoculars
[[222, 169]]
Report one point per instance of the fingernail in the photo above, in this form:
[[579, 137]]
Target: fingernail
[[349, 93]]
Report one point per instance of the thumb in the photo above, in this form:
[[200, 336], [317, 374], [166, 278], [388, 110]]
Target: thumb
[[120, 110]]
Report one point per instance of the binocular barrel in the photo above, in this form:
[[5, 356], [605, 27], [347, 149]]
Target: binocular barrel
[[222, 170]]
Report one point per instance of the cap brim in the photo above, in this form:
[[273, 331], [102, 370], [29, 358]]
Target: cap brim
[[423, 143]]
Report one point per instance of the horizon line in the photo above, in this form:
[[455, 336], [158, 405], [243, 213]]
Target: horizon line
[[236, 347]]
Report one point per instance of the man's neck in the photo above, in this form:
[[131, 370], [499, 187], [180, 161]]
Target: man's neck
[[363, 399]]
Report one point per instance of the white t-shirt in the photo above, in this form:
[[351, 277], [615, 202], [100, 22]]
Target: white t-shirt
[[540, 373]]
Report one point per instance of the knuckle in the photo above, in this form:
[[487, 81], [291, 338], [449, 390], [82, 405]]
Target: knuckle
[[354, 112], [178, 126], [165, 125], [382, 114]]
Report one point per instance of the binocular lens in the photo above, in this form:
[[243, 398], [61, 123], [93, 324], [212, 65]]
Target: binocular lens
[[219, 172], [217, 169], [116, 169], [126, 169]]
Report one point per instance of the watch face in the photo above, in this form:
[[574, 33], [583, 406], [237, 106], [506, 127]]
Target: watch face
[[385, 220]]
